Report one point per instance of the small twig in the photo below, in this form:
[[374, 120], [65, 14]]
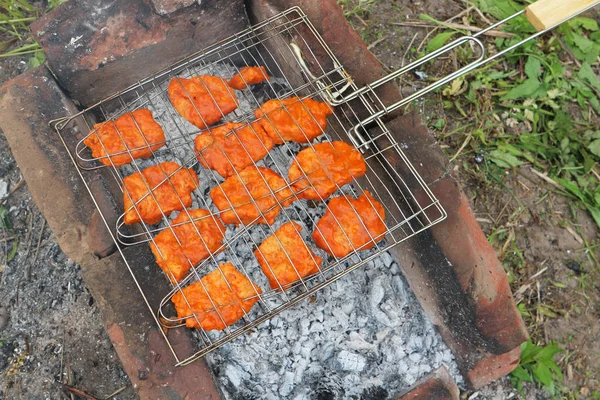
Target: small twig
[[116, 392], [452, 25], [425, 39], [17, 186], [14, 189], [73, 390], [408, 49], [567, 49], [465, 143], [483, 17], [546, 178], [460, 14], [375, 43], [7, 239], [575, 234], [28, 240], [541, 271], [70, 378], [39, 242]]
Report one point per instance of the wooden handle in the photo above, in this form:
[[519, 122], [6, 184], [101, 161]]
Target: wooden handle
[[545, 14]]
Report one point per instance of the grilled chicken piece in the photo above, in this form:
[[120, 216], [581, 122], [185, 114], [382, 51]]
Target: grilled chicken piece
[[232, 147], [293, 119], [285, 258], [136, 132], [168, 182], [232, 295], [177, 250], [248, 76], [342, 236], [328, 166], [254, 185], [202, 100]]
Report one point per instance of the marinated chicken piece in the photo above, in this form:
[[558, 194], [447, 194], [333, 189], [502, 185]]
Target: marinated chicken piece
[[202, 100], [285, 258], [232, 147], [178, 249], [342, 236], [248, 76], [328, 166], [253, 183], [169, 183], [293, 120], [220, 300], [136, 132]]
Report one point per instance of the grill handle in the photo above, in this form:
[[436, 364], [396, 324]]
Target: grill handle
[[544, 15]]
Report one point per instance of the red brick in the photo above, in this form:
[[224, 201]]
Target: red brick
[[478, 270], [27, 104], [438, 385], [164, 7], [493, 367], [96, 48]]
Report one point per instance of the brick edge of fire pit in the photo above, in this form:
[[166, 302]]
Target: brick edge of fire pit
[[438, 385], [27, 104]]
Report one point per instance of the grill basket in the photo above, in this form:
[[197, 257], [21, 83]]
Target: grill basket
[[281, 44]]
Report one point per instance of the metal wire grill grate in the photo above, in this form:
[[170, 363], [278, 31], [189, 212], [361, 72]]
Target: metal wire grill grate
[[409, 205]]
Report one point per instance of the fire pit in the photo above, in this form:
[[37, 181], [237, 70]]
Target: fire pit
[[365, 333]]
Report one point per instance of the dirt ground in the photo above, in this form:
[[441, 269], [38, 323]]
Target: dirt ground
[[51, 331]]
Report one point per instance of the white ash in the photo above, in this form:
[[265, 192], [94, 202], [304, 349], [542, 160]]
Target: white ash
[[363, 337], [3, 189]]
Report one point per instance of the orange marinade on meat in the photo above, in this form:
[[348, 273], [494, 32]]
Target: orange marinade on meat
[[284, 257], [211, 99], [232, 147], [184, 181], [137, 132], [327, 165], [177, 250], [332, 236], [293, 120], [230, 291], [259, 182], [248, 76]]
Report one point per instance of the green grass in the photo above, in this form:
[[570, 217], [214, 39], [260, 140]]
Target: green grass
[[15, 17], [358, 9], [537, 106], [553, 106], [537, 365]]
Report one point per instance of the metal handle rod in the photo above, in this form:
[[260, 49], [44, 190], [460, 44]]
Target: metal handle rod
[[426, 58], [468, 68]]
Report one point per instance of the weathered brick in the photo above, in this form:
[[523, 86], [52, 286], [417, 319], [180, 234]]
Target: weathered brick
[[492, 367], [96, 48], [478, 270], [164, 7], [27, 104], [436, 386]]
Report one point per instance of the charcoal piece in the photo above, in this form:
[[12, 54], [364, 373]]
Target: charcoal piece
[[374, 393]]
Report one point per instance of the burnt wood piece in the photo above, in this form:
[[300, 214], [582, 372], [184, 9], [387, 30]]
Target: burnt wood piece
[[452, 268], [438, 385], [96, 48], [27, 104]]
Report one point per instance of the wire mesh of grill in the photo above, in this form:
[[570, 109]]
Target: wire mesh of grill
[[407, 202]]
